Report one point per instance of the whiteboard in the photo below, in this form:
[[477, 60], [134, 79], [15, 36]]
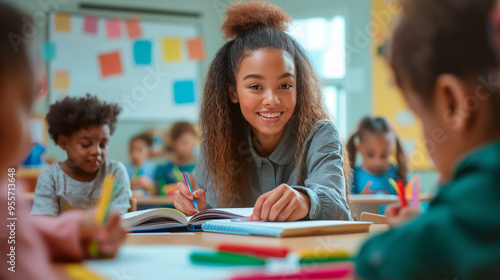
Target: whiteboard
[[145, 92]]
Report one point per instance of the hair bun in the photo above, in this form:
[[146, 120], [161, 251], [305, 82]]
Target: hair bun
[[244, 16]]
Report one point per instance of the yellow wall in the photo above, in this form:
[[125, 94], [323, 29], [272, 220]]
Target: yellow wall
[[387, 99]]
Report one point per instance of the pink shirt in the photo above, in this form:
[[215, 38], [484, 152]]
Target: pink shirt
[[29, 244]]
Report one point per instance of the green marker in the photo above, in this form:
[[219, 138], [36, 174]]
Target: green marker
[[224, 258]]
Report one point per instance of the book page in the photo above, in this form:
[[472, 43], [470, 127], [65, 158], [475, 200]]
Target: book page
[[220, 213]]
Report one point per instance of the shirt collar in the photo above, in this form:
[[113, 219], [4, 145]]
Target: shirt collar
[[281, 155]]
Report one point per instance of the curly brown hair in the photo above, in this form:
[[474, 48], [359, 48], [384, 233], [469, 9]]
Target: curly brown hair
[[253, 25]]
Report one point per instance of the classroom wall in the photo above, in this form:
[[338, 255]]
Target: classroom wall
[[359, 63]]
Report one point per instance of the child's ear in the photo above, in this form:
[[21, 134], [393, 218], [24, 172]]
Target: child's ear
[[233, 95], [451, 98], [62, 141]]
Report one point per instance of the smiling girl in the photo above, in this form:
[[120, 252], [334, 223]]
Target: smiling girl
[[266, 138]]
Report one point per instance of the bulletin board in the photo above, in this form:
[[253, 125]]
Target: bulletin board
[[151, 69], [387, 98]]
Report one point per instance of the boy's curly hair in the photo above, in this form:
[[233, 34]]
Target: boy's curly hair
[[69, 115]]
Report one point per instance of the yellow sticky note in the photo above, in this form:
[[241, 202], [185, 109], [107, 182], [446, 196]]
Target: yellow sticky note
[[172, 49], [62, 22], [61, 80]]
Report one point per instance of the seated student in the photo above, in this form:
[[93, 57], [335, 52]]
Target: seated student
[[38, 239], [182, 142], [266, 138], [444, 61], [140, 170], [376, 142], [81, 127]]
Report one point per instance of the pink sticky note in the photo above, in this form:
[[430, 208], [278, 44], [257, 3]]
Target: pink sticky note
[[90, 24], [113, 28]]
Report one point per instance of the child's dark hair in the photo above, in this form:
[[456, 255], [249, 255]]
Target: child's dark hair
[[252, 26], [14, 46], [437, 37], [378, 125], [69, 115], [180, 128], [143, 137]]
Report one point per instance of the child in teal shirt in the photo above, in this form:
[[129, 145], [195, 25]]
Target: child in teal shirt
[[444, 56], [376, 141], [182, 143]]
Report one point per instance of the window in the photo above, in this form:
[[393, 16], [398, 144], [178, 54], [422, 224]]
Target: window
[[323, 39]]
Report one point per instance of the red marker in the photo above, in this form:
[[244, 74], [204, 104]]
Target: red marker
[[401, 194], [276, 252]]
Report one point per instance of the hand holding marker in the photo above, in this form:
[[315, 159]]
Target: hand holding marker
[[186, 179]]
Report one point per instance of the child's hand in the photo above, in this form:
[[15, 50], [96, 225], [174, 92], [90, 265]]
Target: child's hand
[[183, 199], [397, 215], [145, 181], [281, 204], [366, 189], [109, 237]]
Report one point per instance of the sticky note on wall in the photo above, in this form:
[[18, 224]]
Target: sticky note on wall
[[172, 49], [48, 51], [196, 49], [90, 24], [113, 29], [133, 28], [184, 92], [61, 80], [142, 52], [62, 22], [110, 64]]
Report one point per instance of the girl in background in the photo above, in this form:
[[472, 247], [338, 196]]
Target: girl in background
[[376, 140]]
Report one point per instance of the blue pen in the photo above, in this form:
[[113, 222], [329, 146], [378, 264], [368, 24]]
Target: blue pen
[[190, 189]]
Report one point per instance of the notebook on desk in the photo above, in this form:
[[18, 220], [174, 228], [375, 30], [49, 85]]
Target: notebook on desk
[[285, 229], [168, 219]]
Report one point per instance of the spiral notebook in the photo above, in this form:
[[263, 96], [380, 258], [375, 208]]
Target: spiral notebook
[[285, 229]]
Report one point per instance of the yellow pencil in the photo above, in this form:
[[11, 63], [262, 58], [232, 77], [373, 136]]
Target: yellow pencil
[[104, 199], [103, 204], [323, 253], [394, 185]]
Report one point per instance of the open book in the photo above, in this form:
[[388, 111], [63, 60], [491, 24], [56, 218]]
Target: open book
[[165, 219]]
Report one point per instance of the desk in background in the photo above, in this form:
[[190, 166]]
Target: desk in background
[[372, 202]]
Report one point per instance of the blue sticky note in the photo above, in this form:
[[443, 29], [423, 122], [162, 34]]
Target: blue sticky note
[[142, 52], [48, 51], [184, 92]]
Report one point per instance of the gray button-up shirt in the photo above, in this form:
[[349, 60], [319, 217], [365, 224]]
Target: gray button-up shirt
[[325, 183]]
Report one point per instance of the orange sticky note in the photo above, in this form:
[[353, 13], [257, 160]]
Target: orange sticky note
[[133, 28], [62, 22], [196, 49], [172, 49], [110, 64], [61, 80]]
